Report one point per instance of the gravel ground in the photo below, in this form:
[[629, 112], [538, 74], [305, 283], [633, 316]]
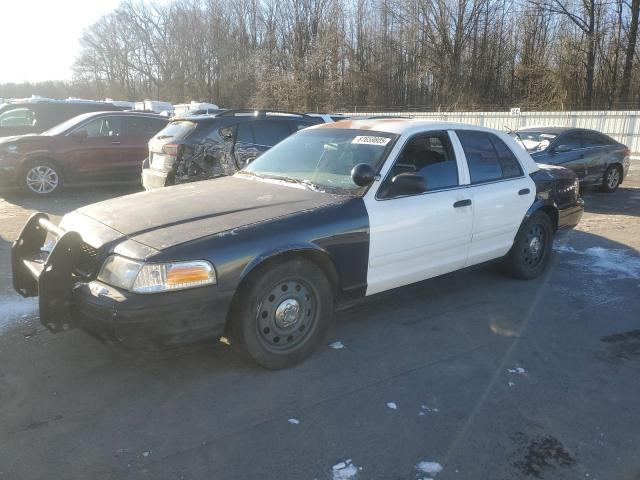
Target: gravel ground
[[466, 376]]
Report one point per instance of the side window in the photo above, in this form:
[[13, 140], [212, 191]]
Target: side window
[[508, 161], [269, 132], [573, 140], [103, 127], [594, 139], [482, 158], [430, 156], [18, 117], [141, 126], [244, 135]]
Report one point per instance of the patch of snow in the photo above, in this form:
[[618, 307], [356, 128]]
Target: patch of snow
[[145, 454], [344, 470], [622, 263], [337, 345], [430, 468], [294, 421], [511, 384], [422, 414], [392, 405], [15, 309], [518, 370]]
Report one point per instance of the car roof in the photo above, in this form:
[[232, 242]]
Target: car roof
[[399, 126], [550, 130]]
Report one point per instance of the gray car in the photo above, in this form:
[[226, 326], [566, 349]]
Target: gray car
[[596, 158]]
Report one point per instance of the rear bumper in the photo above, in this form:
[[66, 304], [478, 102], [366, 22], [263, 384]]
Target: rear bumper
[[67, 299], [152, 179]]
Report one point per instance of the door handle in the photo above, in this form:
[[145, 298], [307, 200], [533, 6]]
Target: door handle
[[115, 143], [524, 191], [462, 203]]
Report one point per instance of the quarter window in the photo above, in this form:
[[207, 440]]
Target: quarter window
[[594, 139], [573, 140], [488, 157], [430, 156]]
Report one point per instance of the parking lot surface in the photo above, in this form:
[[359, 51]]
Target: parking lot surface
[[470, 376]]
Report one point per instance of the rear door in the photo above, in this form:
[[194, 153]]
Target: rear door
[[596, 151], [414, 237], [500, 191], [96, 157]]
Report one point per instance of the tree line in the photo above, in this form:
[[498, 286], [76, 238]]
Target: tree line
[[364, 54]]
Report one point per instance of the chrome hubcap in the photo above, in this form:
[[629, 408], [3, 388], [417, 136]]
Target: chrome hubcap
[[287, 313], [42, 179], [614, 177], [534, 245]]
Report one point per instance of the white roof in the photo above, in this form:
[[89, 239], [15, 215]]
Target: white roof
[[406, 127]]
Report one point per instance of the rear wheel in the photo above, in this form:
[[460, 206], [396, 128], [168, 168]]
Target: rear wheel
[[41, 178], [611, 179], [531, 249], [282, 315]]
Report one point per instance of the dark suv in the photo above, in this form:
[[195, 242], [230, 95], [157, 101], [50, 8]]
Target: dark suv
[[194, 148], [36, 117]]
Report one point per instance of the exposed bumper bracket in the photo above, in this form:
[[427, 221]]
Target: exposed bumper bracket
[[48, 276]]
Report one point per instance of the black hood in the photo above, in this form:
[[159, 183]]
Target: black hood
[[173, 215]]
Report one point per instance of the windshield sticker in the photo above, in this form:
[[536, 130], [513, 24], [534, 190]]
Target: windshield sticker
[[370, 140]]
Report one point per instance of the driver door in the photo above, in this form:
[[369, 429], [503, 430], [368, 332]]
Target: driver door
[[414, 237]]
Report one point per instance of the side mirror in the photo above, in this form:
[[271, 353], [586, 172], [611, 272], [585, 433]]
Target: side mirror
[[363, 174], [407, 184], [79, 135], [562, 149]]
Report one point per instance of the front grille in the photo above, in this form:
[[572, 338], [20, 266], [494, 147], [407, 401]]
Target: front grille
[[87, 260]]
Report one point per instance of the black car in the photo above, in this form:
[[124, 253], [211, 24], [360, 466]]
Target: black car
[[200, 147], [596, 158], [39, 116], [328, 216]]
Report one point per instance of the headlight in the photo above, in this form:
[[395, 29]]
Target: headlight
[[156, 277], [11, 148]]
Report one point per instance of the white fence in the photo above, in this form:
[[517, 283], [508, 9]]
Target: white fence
[[624, 126]]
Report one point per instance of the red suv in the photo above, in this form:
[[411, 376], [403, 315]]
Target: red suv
[[97, 147]]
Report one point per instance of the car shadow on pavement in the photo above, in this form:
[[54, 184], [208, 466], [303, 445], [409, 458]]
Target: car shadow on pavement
[[624, 201]]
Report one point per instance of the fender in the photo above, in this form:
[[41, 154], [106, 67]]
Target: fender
[[295, 249], [47, 155]]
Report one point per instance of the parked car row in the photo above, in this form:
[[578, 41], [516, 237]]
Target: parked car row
[[330, 215], [594, 157]]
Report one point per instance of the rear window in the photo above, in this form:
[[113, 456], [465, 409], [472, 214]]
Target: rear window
[[177, 130]]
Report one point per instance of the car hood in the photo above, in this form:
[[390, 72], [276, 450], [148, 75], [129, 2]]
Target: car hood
[[169, 216], [28, 137]]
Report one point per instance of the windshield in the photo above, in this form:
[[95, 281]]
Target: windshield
[[534, 141], [67, 124], [323, 158]]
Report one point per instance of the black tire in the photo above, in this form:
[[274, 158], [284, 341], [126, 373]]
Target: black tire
[[41, 178], [282, 314], [531, 251], [611, 179]]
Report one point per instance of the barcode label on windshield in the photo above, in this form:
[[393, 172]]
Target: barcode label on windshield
[[371, 140]]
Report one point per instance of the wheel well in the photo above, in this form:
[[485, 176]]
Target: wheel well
[[552, 212], [33, 160]]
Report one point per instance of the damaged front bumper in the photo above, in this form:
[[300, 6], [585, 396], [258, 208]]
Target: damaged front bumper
[[70, 297]]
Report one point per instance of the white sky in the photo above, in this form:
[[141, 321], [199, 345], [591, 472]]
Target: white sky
[[39, 39]]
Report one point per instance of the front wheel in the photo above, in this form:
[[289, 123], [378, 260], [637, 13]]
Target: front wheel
[[41, 178], [282, 315], [611, 179], [531, 251]]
